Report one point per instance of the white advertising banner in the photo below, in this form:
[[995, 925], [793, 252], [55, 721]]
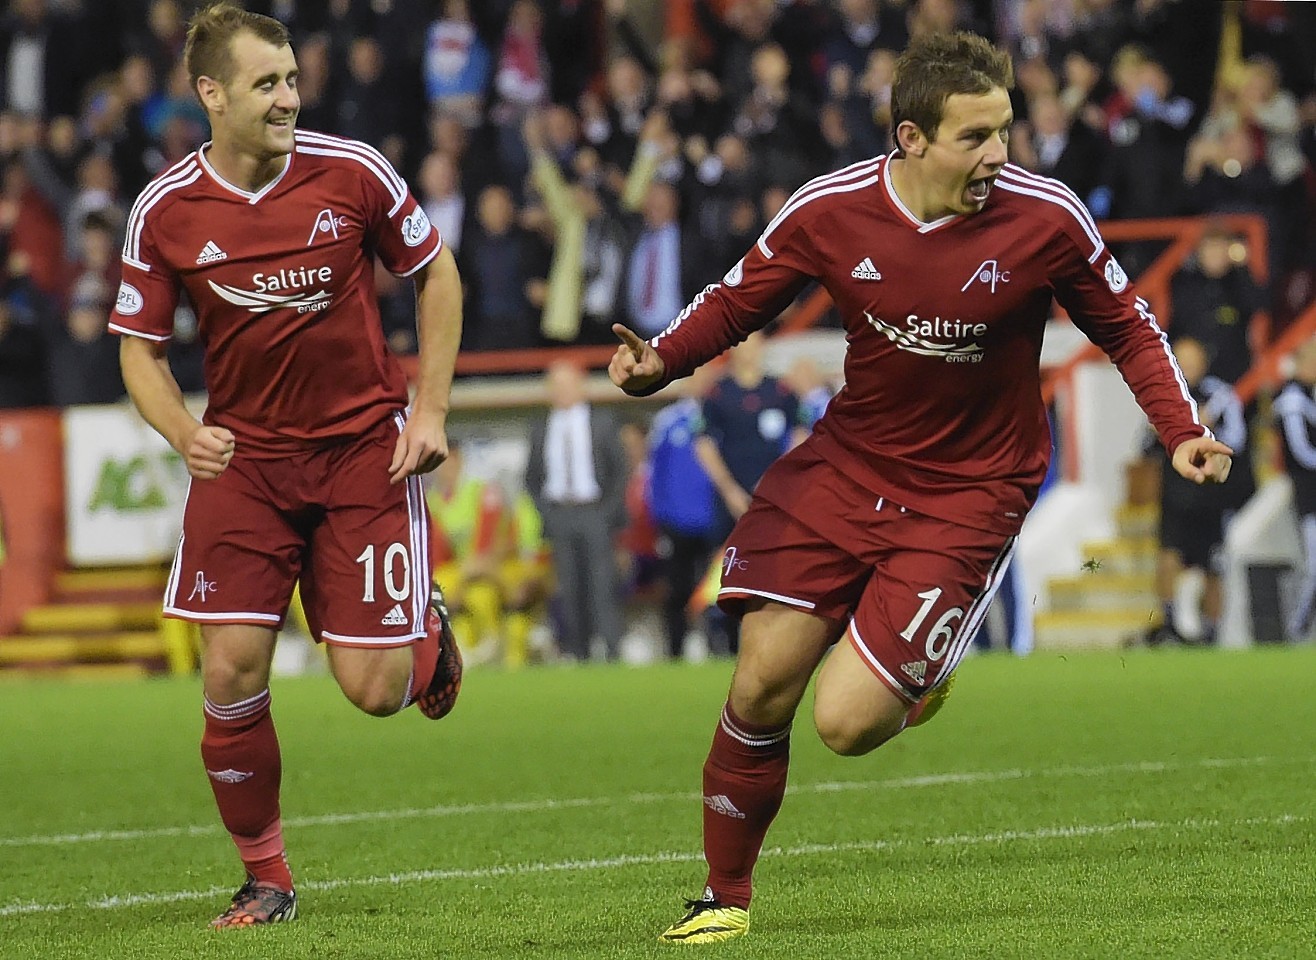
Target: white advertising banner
[[124, 488]]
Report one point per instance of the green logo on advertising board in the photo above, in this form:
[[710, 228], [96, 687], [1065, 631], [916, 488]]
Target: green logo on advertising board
[[137, 484]]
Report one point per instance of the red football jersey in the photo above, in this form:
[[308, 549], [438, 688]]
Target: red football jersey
[[282, 282], [941, 410]]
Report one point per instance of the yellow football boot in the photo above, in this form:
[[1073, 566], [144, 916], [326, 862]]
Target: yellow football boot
[[707, 922]]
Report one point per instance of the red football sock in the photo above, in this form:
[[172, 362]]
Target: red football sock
[[425, 656], [241, 753], [744, 782]]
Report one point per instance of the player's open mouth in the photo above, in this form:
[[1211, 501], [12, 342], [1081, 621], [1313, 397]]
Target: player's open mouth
[[978, 189], [282, 123]]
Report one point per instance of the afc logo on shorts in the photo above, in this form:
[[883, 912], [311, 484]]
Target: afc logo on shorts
[[202, 587], [731, 562]]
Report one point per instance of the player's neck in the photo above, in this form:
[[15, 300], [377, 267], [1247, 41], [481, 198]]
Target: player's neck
[[242, 170], [918, 197]]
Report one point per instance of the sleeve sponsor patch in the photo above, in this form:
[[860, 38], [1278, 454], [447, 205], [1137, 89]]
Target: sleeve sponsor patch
[[129, 300], [415, 228], [1116, 278]]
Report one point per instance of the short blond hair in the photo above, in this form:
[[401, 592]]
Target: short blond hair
[[209, 48]]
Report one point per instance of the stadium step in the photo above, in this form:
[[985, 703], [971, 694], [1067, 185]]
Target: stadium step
[[90, 617], [1102, 591], [98, 619], [1138, 521], [82, 648], [111, 585], [76, 671], [1093, 629], [1127, 556]]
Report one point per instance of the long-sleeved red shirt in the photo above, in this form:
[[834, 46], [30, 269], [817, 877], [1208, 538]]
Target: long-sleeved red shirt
[[941, 410]]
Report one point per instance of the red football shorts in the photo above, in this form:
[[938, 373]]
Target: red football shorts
[[913, 588], [327, 517]]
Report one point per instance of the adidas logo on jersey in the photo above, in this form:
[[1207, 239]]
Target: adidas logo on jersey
[[211, 253], [395, 617], [865, 270], [916, 671], [720, 803]]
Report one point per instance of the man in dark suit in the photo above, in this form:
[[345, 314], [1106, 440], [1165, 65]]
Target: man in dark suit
[[577, 475]]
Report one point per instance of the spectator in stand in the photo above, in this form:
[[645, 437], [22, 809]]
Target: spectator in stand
[[317, 85], [97, 194], [30, 226], [684, 505], [43, 54], [521, 84], [858, 29], [1035, 30], [165, 34], [499, 263], [1055, 145], [1194, 516], [442, 197], [656, 288], [855, 121], [457, 65], [1295, 410], [927, 17], [1147, 126], [589, 249], [82, 355], [367, 106], [1270, 115], [95, 259], [1214, 298], [1223, 174], [776, 121], [614, 127], [22, 383]]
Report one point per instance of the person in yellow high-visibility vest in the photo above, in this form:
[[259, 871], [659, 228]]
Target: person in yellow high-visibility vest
[[470, 544], [526, 577]]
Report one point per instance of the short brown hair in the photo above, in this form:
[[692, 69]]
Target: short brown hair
[[936, 67], [209, 52]]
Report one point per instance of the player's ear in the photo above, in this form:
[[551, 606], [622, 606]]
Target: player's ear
[[911, 139], [211, 93]]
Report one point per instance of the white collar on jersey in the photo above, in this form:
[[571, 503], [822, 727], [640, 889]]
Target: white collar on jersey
[[900, 204], [245, 194]]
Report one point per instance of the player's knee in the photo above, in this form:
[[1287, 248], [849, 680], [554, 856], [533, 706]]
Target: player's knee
[[376, 699], [228, 679], [848, 735]]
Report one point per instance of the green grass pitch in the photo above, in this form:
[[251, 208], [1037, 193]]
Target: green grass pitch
[[1155, 804]]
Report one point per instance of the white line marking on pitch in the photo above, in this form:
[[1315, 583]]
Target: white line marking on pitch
[[605, 863], [573, 803]]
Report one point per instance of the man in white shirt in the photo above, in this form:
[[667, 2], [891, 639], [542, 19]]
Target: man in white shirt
[[576, 474]]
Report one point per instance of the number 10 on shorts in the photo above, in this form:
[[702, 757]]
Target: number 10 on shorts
[[390, 571]]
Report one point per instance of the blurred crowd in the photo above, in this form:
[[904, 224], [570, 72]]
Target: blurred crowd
[[599, 160]]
